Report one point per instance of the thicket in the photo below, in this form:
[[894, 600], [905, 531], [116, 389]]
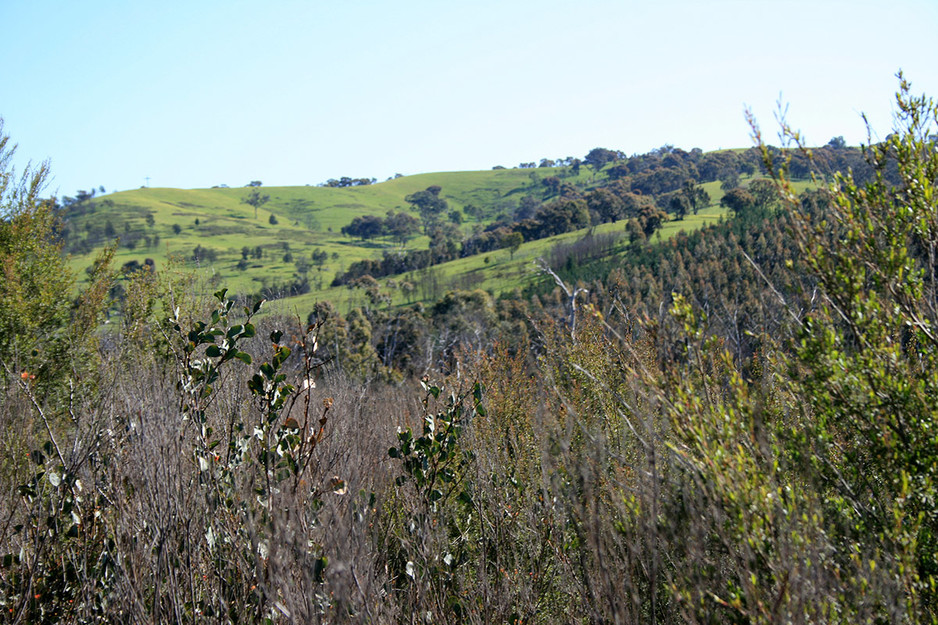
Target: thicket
[[588, 458]]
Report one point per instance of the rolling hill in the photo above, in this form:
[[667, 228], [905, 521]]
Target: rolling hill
[[296, 236], [295, 222]]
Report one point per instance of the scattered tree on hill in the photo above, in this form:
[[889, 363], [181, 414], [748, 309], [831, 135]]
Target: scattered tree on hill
[[473, 211], [444, 241], [345, 181], [607, 205], [652, 219], [696, 197], [764, 193], [527, 206], [429, 204], [513, 241], [552, 183], [255, 198], [619, 171], [365, 227], [679, 205], [562, 216], [401, 226], [739, 201], [204, 254], [319, 258], [729, 181], [598, 157]]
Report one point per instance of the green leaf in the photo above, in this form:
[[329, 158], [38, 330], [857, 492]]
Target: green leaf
[[477, 391], [26, 491], [319, 568], [256, 384]]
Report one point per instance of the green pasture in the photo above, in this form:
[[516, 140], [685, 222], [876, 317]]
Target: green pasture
[[496, 272], [309, 219]]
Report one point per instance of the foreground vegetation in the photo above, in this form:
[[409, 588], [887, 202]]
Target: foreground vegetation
[[735, 425]]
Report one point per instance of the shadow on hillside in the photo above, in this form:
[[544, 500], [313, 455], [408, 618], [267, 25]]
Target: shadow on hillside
[[370, 245]]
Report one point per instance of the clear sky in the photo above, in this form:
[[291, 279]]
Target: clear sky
[[204, 92]]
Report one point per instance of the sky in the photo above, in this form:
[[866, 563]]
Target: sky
[[124, 93]]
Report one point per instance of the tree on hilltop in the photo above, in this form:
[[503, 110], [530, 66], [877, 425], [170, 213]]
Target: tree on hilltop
[[255, 198], [598, 157]]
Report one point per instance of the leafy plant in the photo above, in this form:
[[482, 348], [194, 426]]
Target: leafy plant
[[434, 471]]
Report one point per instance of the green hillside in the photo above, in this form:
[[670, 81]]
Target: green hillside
[[173, 222], [496, 272], [296, 236]]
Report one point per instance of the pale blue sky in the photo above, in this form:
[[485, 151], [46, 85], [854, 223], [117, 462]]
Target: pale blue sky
[[199, 93]]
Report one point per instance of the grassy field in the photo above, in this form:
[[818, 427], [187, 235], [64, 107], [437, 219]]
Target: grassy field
[[309, 219], [496, 272]]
